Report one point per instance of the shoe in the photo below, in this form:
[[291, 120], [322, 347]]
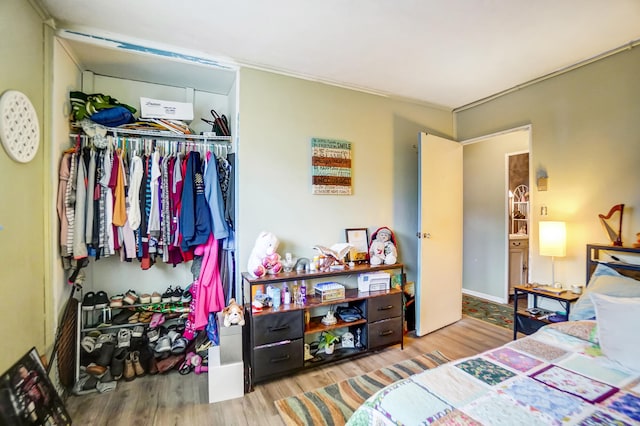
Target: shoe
[[104, 338], [89, 301], [156, 297], [134, 318], [129, 372], [116, 301], [117, 363], [124, 338], [163, 345], [186, 296], [106, 353], [122, 317], [176, 295], [153, 365], [101, 300], [156, 320], [137, 331], [95, 369], [86, 384], [179, 345], [166, 296], [137, 367], [106, 383], [145, 298], [88, 343], [152, 335], [130, 298], [145, 317]]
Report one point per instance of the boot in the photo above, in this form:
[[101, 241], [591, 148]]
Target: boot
[[129, 372], [117, 363], [137, 367], [106, 353]]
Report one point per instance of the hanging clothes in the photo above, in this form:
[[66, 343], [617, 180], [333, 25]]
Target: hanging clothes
[[195, 218], [210, 295], [161, 202]]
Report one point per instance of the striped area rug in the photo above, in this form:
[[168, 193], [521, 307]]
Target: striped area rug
[[334, 404]]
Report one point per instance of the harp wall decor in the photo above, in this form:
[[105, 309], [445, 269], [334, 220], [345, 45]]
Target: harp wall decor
[[616, 238]]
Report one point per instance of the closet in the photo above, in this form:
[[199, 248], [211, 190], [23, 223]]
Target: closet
[[127, 70]]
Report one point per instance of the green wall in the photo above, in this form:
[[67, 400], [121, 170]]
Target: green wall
[[22, 258], [585, 135], [278, 117]]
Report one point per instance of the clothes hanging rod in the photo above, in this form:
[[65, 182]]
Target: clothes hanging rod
[[115, 131]]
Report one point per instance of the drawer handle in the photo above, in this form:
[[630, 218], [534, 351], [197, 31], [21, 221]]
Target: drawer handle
[[281, 359], [385, 308], [282, 327], [385, 333]]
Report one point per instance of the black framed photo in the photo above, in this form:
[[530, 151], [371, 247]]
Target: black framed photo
[[358, 238], [27, 396]]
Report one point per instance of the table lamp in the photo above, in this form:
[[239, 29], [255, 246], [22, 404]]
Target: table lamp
[[553, 242]]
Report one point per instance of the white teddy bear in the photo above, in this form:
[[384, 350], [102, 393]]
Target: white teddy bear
[[263, 258]]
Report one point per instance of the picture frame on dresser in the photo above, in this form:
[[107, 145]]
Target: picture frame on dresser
[[358, 238]]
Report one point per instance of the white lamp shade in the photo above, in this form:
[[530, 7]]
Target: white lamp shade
[[553, 238]]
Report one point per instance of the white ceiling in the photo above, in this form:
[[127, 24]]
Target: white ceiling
[[444, 52]]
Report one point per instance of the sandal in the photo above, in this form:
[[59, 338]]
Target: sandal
[[134, 319], [145, 316], [179, 345], [163, 345], [156, 320]]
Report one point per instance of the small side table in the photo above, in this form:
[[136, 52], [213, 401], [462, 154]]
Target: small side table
[[527, 323]]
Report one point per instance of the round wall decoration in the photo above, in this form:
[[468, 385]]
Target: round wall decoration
[[19, 127]]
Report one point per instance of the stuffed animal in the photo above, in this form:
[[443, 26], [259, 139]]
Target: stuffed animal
[[233, 314], [383, 248], [263, 258]]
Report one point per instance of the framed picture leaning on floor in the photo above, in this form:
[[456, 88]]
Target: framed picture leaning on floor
[[27, 396]]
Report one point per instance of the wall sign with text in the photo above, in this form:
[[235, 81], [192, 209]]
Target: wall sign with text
[[330, 167]]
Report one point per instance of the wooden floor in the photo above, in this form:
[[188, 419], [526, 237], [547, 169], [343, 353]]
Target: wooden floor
[[172, 399]]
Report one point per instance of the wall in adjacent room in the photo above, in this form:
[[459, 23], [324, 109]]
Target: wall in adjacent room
[[22, 306], [585, 136], [278, 117]]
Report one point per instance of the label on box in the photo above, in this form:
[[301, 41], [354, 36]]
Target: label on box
[[156, 108]]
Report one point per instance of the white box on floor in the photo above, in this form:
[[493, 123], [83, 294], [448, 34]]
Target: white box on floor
[[225, 381], [230, 342]]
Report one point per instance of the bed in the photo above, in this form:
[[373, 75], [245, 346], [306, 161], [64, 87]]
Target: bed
[[585, 371]]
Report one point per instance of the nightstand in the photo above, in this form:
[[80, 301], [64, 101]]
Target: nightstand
[[528, 323]]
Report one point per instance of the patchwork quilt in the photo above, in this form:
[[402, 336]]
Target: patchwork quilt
[[557, 376]]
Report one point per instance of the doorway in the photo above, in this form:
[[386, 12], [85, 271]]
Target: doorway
[[517, 192], [486, 210]]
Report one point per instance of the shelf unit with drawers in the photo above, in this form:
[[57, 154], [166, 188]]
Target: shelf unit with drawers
[[275, 338]]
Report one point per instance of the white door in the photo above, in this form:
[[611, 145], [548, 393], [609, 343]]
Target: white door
[[439, 279]]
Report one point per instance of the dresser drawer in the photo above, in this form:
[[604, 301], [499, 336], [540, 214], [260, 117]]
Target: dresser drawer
[[276, 327], [523, 243], [278, 359], [384, 307], [386, 332]]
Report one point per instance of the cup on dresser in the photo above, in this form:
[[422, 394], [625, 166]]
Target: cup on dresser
[[576, 288]]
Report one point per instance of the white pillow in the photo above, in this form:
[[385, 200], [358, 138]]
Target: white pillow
[[618, 319], [611, 285]]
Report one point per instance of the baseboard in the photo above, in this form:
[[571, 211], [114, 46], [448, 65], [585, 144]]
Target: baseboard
[[485, 296]]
